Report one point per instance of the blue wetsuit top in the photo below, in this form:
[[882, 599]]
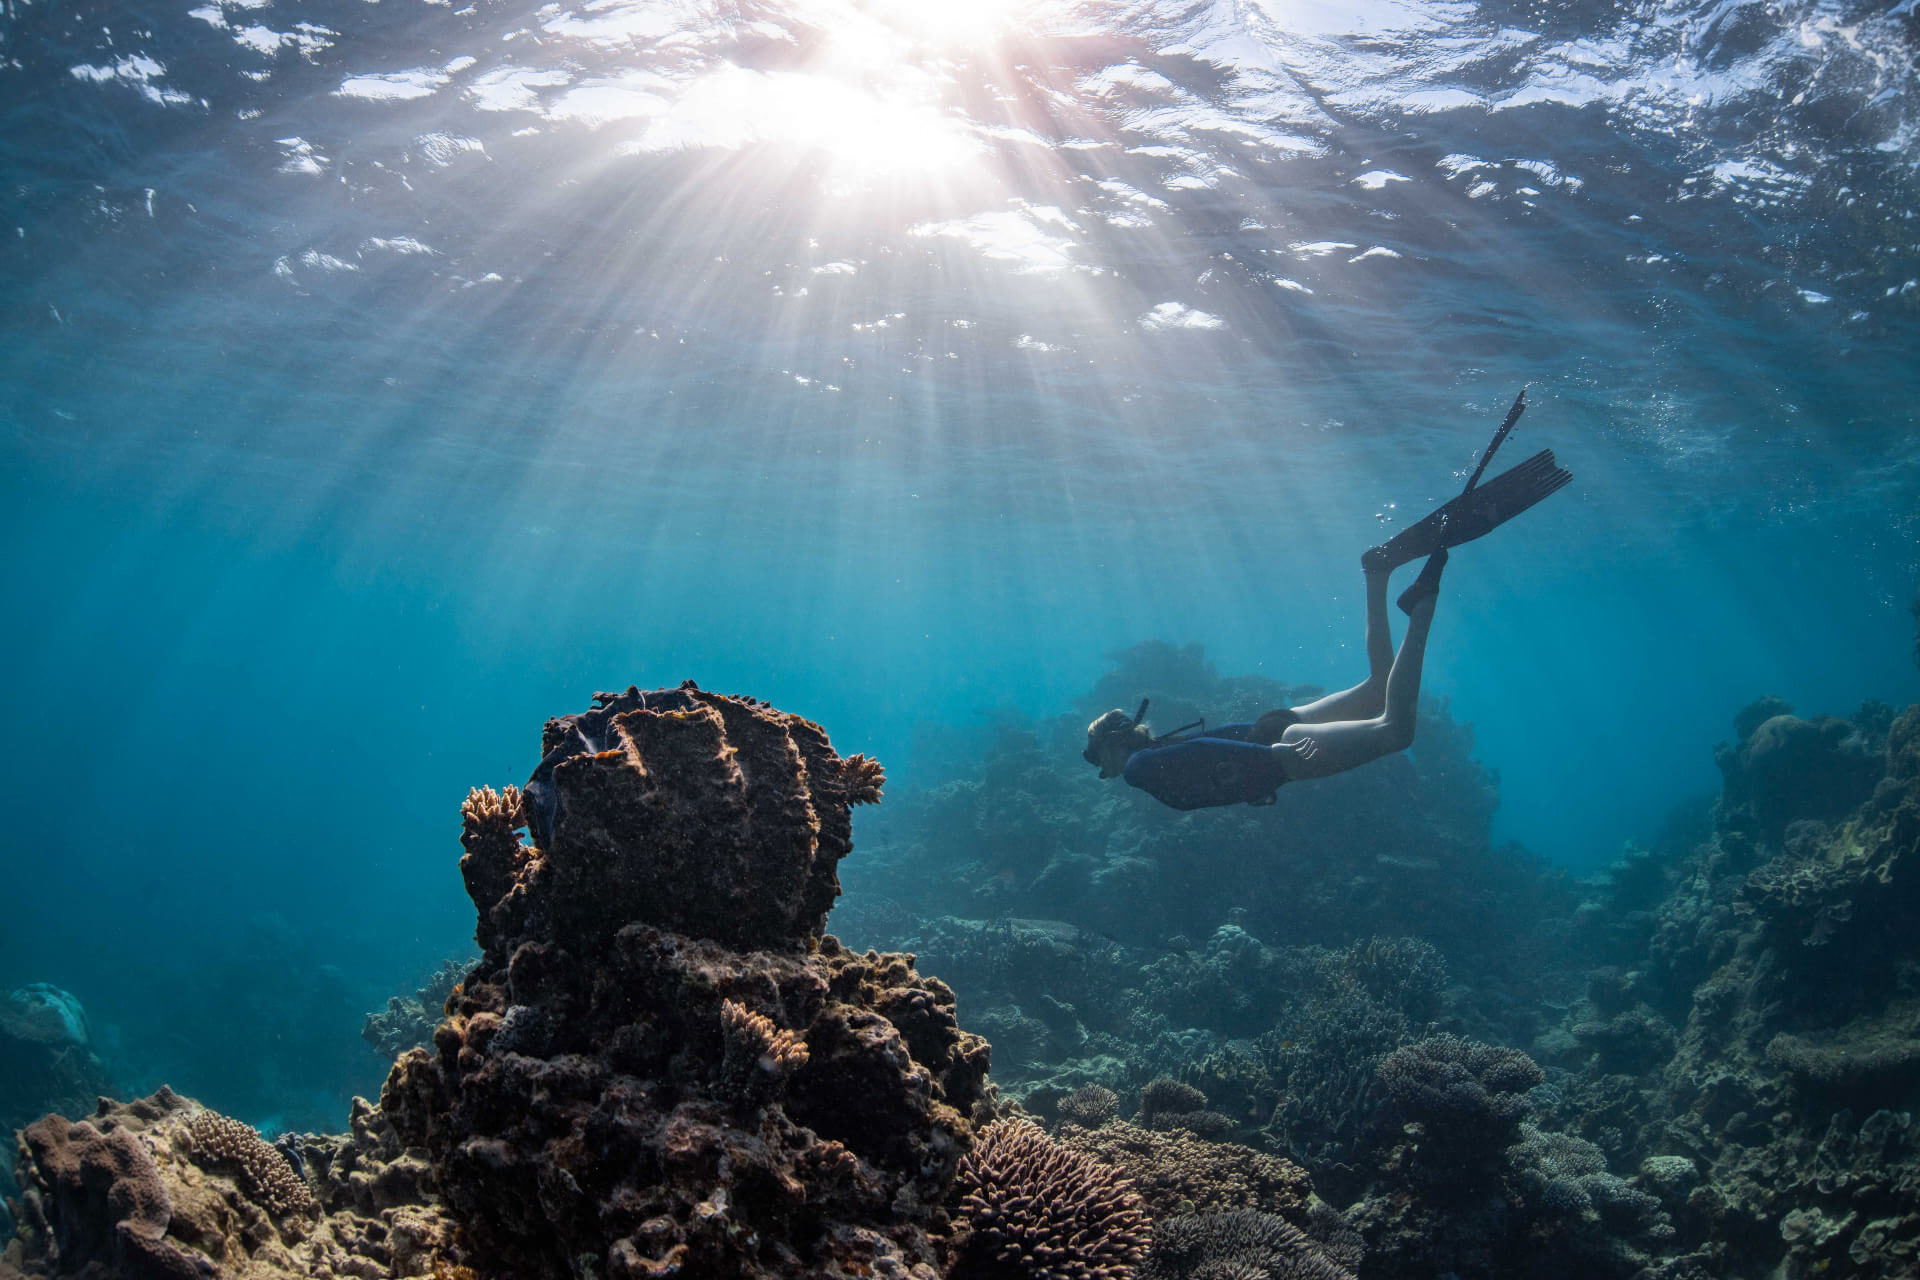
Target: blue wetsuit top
[[1210, 768]]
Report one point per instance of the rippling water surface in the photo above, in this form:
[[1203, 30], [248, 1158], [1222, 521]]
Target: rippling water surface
[[380, 378]]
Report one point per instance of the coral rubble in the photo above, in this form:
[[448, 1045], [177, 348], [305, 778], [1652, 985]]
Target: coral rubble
[[659, 1064]]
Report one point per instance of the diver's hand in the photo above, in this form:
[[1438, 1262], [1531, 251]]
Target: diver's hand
[[1306, 748]]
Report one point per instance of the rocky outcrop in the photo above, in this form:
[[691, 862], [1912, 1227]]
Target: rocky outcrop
[[660, 1065]]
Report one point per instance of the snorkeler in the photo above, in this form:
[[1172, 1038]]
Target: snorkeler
[[1248, 763]]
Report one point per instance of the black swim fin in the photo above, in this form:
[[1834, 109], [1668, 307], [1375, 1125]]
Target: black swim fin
[[1474, 514]]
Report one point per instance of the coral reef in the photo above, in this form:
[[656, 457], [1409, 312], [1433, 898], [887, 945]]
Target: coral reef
[[1176, 1171], [1459, 1089], [162, 1189], [1785, 769], [263, 1173], [660, 1064], [1765, 1096], [1036, 1210], [408, 1021], [1090, 1106], [1724, 1036], [1234, 1244], [47, 1064]]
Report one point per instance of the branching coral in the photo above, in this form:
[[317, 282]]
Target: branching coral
[[1040, 1211], [759, 1056], [1461, 1086], [266, 1175], [861, 778], [1168, 1097], [1211, 1246], [1090, 1106]]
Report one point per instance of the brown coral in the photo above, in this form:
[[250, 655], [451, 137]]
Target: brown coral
[[1090, 1106], [1241, 1242], [1039, 1211], [1166, 1096], [660, 1063], [162, 1189], [267, 1177], [1176, 1171], [861, 778], [759, 1056]]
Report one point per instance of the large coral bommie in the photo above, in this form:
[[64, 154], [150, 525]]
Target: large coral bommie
[[1039, 1211], [660, 1065]]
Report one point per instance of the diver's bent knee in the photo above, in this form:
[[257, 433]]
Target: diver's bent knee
[[1399, 735]]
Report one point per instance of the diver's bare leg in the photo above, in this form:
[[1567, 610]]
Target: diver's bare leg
[[1347, 744], [1369, 697]]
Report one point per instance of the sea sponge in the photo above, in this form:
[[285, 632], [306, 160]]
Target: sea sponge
[[1040, 1211], [268, 1178]]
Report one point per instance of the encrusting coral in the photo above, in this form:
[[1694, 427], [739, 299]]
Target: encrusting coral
[[163, 1189], [660, 1065], [1039, 1211]]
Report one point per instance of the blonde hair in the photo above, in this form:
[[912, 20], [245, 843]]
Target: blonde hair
[[1116, 722]]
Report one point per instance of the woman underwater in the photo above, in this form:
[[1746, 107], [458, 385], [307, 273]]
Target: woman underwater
[[1248, 763]]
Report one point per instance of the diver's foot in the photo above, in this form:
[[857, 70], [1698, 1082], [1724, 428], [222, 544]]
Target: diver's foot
[[1425, 587]]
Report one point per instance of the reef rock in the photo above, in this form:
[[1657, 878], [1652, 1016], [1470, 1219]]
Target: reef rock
[[1786, 769], [660, 1065], [164, 1189]]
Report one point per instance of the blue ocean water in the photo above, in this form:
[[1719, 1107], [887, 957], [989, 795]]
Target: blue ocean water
[[380, 379]]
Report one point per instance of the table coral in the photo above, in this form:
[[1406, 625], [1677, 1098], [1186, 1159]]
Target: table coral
[[1176, 1171], [660, 1065]]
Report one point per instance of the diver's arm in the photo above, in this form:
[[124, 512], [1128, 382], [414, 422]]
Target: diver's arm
[[1368, 698]]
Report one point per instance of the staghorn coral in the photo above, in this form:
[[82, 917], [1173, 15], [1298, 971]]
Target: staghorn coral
[[163, 1189], [264, 1173], [1036, 1210], [1200, 1246], [1089, 1106], [1176, 1171], [660, 1063]]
